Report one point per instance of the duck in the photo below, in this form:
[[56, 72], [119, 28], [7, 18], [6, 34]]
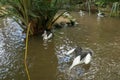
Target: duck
[[100, 14], [47, 35], [81, 56]]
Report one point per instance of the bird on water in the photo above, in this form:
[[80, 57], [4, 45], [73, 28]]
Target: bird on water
[[81, 56], [47, 35]]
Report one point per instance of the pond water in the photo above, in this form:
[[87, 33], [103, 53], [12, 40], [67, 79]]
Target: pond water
[[46, 61]]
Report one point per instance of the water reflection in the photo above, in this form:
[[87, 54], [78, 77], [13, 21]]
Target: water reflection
[[11, 51], [103, 37]]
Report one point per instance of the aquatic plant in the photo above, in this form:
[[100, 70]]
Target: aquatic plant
[[115, 11], [88, 2]]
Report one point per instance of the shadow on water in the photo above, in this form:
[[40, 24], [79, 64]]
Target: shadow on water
[[47, 61]]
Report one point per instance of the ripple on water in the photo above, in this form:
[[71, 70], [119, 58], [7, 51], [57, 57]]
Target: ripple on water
[[64, 62], [11, 51]]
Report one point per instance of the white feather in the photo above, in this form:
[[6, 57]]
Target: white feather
[[76, 61], [45, 37], [70, 51], [87, 59], [50, 36], [100, 14]]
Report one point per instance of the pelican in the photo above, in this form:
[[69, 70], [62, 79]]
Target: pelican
[[100, 14], [46, 35], [81, 57]]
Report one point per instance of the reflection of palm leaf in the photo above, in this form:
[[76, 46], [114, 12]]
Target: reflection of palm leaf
[[3, 12]]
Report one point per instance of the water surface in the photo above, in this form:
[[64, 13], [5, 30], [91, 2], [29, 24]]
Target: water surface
[[46, 61]]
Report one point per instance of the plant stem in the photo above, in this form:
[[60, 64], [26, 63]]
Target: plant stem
[[26, 51]]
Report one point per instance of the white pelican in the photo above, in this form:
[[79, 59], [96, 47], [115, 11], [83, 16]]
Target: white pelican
[[46, 35], [81, 57], [100, 14]]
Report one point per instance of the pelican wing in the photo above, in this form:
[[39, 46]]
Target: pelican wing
[[76, 61], [87, 59], [70, 51], [50, 36]]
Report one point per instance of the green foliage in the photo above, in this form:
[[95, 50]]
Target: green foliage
[[40, 13], [3, 2], [100, 3], [104, 2], [107, 1]]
